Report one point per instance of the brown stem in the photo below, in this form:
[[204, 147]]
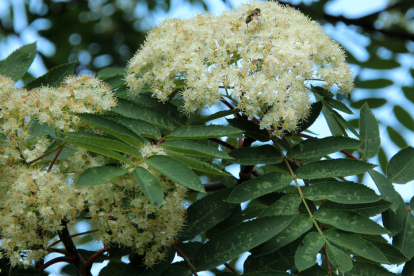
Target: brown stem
[[69, 260], [75, 235], [218, 141], [229, 105], [90, 261], [231, 269], [54, 159], [160, 141], [67, 241], [40, 157], [182, 255]]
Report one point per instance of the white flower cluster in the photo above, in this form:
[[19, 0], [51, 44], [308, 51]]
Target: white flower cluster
[[33, 202], [264, 66], [82, 94]]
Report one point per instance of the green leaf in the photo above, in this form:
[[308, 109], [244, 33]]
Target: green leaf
[[3, 137], [54, 77], [251, 129], [386, 188], [408, 92], [345, 123], [216, 115], [338, 258], [349, 221], [381, 64], [404, 117], [266, 273], [104, 141], [405, 239], [17, 63], [170, 168], [146, 114], [150, 186], [368, 269], [299, 225], [207, 212], [334, 126], [383, 159], [278, 260], [408, 268], [109, 72], [320, 147], [305, 256], [177, 271], [369, 133], [366, 209], [196, 164], [262, 185], [97, 149], [337, 105], [412, 203], [333, 168], [314, 112], [396, 137], [190, 249], [238, 239], [235, 218], [393, 220], [401, 167], [139, 127], [202, 132], [99, 175], [374, 84], [166, 108], [136, 266], [115, 81], [196, 149], [286, 205], [356, 244], [341, 192], [113, 268], [65, 152], [37, 130], [265, 154], [392, 253], [113, 128], [322, 91], [372, 102]]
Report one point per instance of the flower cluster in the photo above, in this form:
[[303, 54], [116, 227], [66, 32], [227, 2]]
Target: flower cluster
[[82, 94], [264, 67], [33, 202]]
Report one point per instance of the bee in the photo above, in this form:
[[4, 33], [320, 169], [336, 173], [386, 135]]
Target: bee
[[254, 15]]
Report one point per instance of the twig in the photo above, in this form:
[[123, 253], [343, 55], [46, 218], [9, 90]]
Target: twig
[[54, 159], [69, 260], [218, 141], [231, 269], [90, 261], [40, 157], [75, 235], [182, 255]]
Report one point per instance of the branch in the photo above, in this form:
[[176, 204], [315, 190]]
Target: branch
[[90, 261], [69, 260], [67, 241], [75, 235], [182, 255], [218, 141], [231, 269], [54, 159]]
